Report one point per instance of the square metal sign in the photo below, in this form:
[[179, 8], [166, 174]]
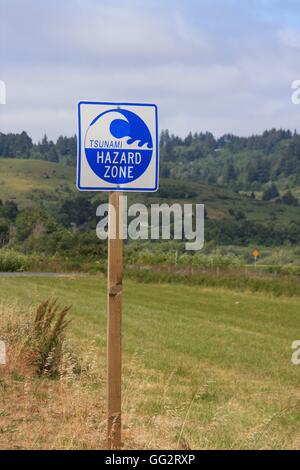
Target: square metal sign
[[117, 146]]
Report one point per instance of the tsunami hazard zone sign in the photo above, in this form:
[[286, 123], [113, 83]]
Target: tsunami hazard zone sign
[[117, 147]]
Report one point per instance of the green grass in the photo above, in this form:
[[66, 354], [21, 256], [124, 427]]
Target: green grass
[[30, 182], [236, 279], [212, 366]]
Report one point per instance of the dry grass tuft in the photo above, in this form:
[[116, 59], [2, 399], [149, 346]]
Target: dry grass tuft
[[38, 339], [49, 398], [44, 345]]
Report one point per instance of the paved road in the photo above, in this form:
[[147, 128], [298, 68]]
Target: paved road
[[41, 274]]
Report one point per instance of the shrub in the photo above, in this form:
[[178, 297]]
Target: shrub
[[12, 261], [270, 193], [211, 261], [289, 199]]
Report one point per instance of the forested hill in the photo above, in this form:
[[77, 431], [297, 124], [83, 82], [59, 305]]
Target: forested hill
[[247, 163], [242, 163]]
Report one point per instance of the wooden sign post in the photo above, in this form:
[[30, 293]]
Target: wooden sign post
[[117, 148], [114, 321]]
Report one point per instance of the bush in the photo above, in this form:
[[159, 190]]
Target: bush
[[12, 261], [289, 199], [291, 270], [270, 193], [198, 260]]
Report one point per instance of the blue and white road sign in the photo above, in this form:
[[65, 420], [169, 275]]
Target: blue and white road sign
[[117, 147]]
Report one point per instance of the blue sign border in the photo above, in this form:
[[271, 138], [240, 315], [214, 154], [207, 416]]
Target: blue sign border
[[115, 188]]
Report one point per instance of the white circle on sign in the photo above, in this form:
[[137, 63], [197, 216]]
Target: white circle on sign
[[118, 146]]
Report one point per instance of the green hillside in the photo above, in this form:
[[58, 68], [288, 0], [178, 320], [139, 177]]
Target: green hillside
[[32, 182], [219, 202]]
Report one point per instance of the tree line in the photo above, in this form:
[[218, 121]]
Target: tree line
[[242, 163], [64, 150]]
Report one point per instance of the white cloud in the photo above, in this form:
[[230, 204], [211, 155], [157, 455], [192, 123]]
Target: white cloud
[[290, 38], [206, 68]]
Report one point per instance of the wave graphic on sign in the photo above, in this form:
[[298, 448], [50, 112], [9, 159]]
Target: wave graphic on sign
[[133, 127], [128, 127]]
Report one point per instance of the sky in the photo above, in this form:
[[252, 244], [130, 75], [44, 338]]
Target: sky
[[224, 66]]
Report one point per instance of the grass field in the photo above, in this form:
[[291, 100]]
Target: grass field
[[29, 182], [206, 368]]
